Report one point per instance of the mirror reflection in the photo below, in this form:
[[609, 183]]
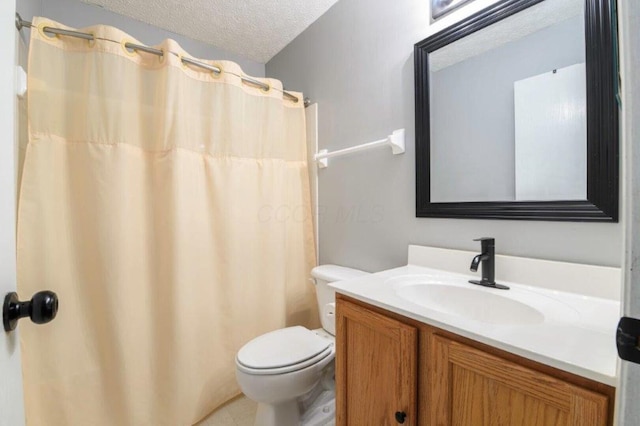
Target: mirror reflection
[[508, 109]]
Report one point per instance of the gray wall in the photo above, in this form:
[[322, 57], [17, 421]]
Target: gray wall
[[77, 14], [476, 162], [356, 61], [29, 8]]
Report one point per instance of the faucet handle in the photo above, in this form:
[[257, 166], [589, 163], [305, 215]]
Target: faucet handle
[[487, 242]]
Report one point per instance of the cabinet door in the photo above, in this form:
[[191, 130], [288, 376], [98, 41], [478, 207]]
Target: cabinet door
[[376, 363], [470, 387]]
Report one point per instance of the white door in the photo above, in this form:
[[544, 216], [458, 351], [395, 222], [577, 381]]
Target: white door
[[551, 135], [628, 408], [11, 399]]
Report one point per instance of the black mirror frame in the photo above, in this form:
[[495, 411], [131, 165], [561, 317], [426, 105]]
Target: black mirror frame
[[602, 123]]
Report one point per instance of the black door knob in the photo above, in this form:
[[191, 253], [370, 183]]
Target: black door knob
[[400, 416], [42, 308]]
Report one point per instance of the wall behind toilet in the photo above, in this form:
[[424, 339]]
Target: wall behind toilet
[[356, 61]]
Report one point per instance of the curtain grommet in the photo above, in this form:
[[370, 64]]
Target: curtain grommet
[[92, 43], [43, 33], [193, 66], [217, 75], [294, 100], [182, 63], [128, 51]]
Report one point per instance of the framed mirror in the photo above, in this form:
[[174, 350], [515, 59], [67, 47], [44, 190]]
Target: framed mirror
[[516, 114]]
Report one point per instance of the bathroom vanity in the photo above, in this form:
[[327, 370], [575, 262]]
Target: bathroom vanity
[[391, 369], [421, 346]]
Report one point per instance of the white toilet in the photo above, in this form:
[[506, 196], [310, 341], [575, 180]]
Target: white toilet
[[289, 372]]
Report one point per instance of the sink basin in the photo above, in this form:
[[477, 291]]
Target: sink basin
[[454, 296], [471, 303]]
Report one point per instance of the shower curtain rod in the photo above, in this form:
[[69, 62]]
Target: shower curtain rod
[[21, 23]]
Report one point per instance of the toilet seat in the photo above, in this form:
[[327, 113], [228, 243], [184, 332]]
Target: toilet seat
[[287, 369], [283, 351]]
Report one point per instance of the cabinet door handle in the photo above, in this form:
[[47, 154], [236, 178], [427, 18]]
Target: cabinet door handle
[[400, 416]]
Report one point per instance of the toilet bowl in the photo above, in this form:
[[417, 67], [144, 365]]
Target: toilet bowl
[[289, 372]]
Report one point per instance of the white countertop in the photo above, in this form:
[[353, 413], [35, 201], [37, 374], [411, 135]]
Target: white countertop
[[577, 334]]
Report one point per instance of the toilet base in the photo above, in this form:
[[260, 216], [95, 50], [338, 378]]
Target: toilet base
[[319, 412], [322, 412], [285, 413]]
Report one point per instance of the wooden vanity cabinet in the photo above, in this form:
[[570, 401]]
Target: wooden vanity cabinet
[[376, 363], [386, 363], [476, 388]]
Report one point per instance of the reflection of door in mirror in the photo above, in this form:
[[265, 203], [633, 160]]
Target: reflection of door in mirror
[[473, 154], [551, 130]]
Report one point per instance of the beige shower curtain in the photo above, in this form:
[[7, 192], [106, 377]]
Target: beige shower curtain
[[168, 207]]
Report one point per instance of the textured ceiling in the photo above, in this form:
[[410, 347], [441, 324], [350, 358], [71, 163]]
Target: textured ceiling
[[255, 29]]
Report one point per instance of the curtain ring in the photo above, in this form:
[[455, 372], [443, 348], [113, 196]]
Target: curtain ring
[[217, 75], [123, 44], [182, 63], [43, 33], [162, 58], [92, 43]]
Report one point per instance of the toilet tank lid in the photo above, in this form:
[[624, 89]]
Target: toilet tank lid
[[332, 273]]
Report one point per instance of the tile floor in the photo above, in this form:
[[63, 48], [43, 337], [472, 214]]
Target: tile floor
[[237, 412]]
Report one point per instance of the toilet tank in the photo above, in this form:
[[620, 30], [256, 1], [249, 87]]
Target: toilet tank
[[323, 275]]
